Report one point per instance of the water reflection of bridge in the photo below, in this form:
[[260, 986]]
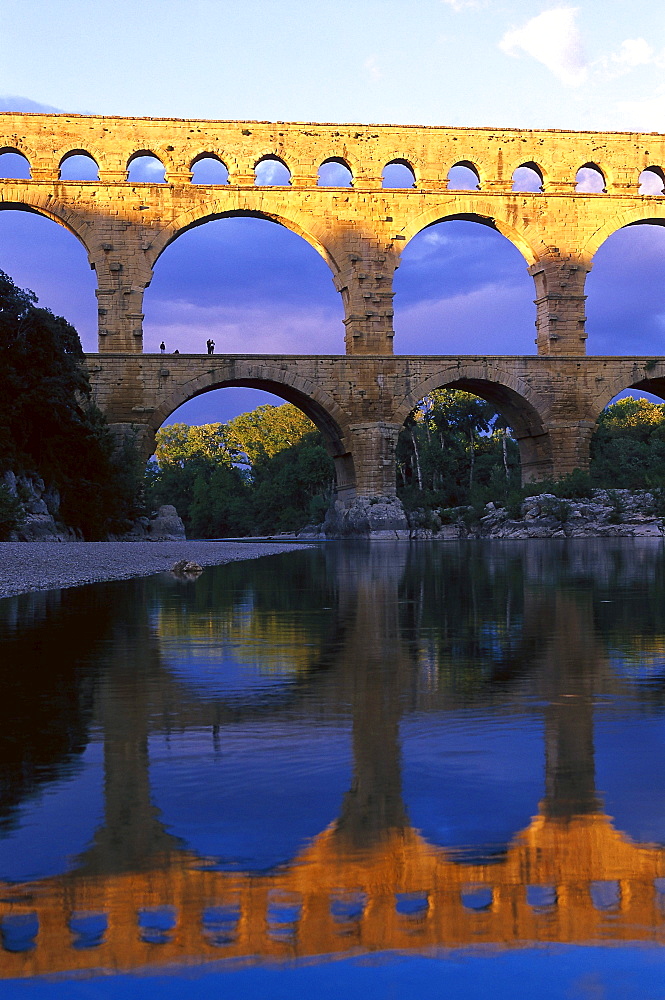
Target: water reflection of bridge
[[370, 881]]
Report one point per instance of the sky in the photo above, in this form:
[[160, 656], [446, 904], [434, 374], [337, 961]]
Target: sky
[[254, 286]]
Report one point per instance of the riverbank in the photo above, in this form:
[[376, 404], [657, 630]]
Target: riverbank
[[29, 566]]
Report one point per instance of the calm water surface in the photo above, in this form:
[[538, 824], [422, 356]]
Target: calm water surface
[[388, 770]]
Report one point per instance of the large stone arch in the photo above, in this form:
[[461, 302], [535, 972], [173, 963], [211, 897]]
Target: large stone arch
[[648, 380], [244, 207], [647, 212], [475, 209], [48, 209], [524, 410], [315, 402]]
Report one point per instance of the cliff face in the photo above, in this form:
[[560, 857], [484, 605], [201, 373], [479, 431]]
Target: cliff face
[[41, 506]]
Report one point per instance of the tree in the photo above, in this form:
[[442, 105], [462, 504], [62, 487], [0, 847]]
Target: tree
[[178, 443], [267, 430], [453, 445], [48, 423]]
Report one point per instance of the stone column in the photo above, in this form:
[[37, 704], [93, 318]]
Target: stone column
[[365, 283], [374, 445], [570, 443], [121, 284], [373, 508], [560, 303]]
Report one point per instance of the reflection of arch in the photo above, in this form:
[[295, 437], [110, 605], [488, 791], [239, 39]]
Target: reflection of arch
[[314, 402], [514, 399], [193, 218], [484, 214]]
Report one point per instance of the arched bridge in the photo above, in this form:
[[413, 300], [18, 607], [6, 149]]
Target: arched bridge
[[359, 399]]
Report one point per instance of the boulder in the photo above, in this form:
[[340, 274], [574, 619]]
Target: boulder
[[166, 526], [367, 517]]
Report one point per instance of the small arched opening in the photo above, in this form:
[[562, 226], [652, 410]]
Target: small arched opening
[[463, 176], [528, 178], [398, 174], [208, 168], [78, 165], [271, 171], [145, 168], [335, 172], [651, 181], [590, 179], [14, 165]]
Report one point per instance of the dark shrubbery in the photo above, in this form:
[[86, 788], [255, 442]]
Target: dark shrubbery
[[48, 424]]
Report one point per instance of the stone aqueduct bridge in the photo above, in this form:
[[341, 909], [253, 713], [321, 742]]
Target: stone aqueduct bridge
[[358, 400]]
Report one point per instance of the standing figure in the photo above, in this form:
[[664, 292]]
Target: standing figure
[[162, 347], [211, 346]]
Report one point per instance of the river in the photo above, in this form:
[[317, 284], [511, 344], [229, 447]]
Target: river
[[386, 769]]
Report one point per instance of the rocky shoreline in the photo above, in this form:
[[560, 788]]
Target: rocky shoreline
[[606, 513]]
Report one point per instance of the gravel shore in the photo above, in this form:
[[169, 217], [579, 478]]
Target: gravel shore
[[26, 566]]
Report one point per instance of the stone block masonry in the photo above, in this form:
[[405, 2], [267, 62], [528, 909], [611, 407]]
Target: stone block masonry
[[361, 399]]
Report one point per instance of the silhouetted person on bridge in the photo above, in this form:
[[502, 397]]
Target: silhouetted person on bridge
[[162, 347], [210, 344]]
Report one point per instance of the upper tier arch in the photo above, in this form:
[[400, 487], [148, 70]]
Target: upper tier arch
[[191, 219], [359, 231]]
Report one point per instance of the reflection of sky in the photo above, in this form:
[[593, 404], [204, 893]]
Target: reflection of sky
[[258, 799], [218, 674], [555, 972], [630, 764], [471, 781], [56, 825]]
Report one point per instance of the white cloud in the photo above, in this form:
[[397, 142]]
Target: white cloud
[[647, 115], [458, 5], [633, 52], [372, 68], [553, 39]]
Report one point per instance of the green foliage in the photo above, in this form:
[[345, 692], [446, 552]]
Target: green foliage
[[267, 430], [263, 472], [455, 450], [48, 424], [577, 485], [11, 513], [628, 448], [178, 443]]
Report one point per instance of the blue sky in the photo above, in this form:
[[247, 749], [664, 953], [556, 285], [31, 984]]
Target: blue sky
[[256, 287]]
